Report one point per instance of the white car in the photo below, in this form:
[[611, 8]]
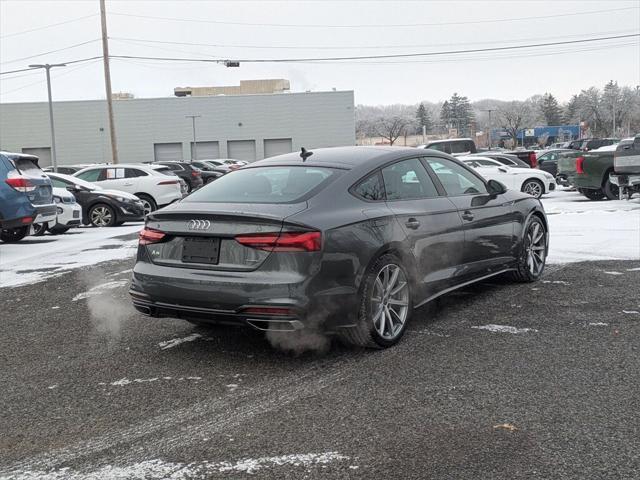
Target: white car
[[69, 214], [152, 187], [528, 180]]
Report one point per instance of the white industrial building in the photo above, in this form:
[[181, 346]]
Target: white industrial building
[[245, 127]]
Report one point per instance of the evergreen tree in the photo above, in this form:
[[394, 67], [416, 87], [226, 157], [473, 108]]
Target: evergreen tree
[[571, 115], [550, 110], [424, 118], [445, 114]]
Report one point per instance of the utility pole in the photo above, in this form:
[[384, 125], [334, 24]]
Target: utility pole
[[490, 125], [194, 153], [47, 67], [107, 81]]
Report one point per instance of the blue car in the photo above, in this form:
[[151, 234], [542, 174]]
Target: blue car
[[26, 196]]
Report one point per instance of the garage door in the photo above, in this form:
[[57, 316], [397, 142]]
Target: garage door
[[242, 150], [276, 146], [205, 151], [44, 155], [164, 152]]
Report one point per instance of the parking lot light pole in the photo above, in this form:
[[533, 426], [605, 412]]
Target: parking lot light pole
[[194, 153], [47, 67]]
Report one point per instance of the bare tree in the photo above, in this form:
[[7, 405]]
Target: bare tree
[[514, 116], [394, 121]]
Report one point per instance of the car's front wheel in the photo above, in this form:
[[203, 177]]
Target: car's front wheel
[[533, 187], [533, 255], [11, 235], [385, 306], [102, 215]]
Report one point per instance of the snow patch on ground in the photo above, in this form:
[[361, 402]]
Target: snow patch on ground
[[503, 329], [631, 312], [613, 273], [598, 324], [125, 381], [99, 289], [35, 259], [177, 341], [161, 470]]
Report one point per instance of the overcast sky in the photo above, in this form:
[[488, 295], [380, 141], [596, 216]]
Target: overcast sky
[[374, 28]]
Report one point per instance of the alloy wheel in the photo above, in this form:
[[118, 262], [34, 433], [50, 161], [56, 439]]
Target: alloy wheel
[[533, 188], [536, 246], [390, 301], [101, 216], [148, 208]]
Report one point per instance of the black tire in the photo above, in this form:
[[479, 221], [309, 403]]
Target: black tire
[[533, 187], [365, 333], [149, 203], [524, 272], [592, 194], [611, 191], [12, 235], [39, 229], [119, 223], [102, 215], [58, 230]]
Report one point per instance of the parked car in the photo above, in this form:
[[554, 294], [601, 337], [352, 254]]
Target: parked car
[[586, 144], [186, 171], [532, 181], [209, 173], [589, 172], [26, 196], [626, 166], [506, 159], [69, 214], [100, 207], [349, 241], [184, 188], [527, 156], [65, 169], [152, 187], [453, 146], [548, 161], [220, 165]]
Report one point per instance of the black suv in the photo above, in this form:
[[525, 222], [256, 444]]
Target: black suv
[[585, 144], [187, 172]]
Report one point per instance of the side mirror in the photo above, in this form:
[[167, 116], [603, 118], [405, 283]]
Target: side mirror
[[494, 188]]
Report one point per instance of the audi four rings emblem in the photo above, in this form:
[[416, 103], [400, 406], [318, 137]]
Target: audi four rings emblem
[[199, 225]]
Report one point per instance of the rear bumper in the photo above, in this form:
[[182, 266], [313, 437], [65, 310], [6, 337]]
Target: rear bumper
[[625, 180], [71, 215], [131, 211], [46, 213]]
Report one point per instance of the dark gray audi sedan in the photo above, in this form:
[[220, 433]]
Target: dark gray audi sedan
[[344, 240]]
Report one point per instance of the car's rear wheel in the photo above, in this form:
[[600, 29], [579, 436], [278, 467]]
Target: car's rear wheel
[[533, 187], [148, 203], [12, 235], [385, 306], [102, 215], [592, 194], [611, 190], [533, 256], [39, 229]]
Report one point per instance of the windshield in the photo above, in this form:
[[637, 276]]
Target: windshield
[[265, 185]]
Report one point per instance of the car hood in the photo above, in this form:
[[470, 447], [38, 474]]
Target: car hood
[[118, 193]]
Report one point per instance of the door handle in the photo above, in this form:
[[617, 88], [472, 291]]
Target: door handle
[[467, 215], [412, 223], [128, 184]]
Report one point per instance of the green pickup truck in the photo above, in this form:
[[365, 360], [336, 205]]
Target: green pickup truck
[[589, 172]]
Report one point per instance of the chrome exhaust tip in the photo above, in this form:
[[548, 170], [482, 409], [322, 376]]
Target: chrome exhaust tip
[[275, 325]]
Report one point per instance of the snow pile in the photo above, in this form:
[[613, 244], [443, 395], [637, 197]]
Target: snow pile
[[504, 329]]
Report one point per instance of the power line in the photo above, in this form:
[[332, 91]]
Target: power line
[[70, 62], [387, 56], [47, 26], [349, 47], [300, 25], [51, 51]]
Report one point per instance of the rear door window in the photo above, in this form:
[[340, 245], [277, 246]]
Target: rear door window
[[460, 147], [90, 175], [286, 184], [134, 173], [406, 180], [456, 179]]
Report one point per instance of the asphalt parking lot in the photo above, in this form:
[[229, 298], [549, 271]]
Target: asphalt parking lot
[[496, 381]]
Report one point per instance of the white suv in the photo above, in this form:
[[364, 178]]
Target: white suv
[[153, 188]]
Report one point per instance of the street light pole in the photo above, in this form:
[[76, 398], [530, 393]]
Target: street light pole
[[47, 67], [194, 153], [490, 124]]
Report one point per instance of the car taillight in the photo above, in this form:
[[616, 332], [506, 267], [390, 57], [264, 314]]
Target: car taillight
[[267, 311], [20, 184], [169, 182], [533, 159], [147, 236], [234, 167], [283, 242], [26, 220], [195, 173], [579, 166]]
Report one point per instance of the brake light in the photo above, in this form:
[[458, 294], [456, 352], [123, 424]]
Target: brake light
[[26, 220], [267, 311], [20, 184], [169, 182], [147, 236], [533, 159], [283, 242], [579, 165]]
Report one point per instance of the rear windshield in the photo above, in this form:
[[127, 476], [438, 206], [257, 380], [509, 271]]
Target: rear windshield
[[24, 164], [265, 185]]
